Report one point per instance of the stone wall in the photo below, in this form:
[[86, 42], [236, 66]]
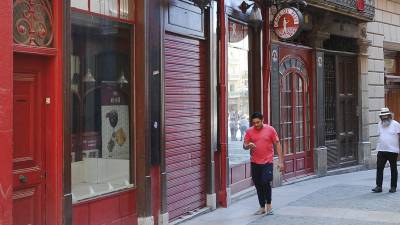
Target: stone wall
[[383, 32]]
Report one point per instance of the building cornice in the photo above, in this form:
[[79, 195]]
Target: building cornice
[[347, 7]]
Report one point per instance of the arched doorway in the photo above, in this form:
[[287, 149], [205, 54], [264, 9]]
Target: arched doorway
[[295, 122]]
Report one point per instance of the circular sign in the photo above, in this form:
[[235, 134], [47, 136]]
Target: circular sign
[[288, 23], [360, 5]]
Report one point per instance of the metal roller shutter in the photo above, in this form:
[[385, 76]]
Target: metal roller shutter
[[186, 103]]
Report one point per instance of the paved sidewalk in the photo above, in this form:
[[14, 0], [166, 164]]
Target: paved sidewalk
[[333, 200]]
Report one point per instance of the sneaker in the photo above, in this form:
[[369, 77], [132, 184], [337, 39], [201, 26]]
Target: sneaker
[[260, 211], [270, 212], [377, 189], [392, 190]]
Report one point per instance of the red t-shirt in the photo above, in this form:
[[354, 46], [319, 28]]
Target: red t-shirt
[[264, 140]]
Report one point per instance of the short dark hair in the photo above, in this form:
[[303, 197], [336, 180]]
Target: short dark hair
[[257, 115]]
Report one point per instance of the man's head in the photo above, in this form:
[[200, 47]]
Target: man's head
[[257, 120], [386, 117]]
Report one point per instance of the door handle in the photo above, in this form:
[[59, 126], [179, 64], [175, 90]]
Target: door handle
[[22, 179]]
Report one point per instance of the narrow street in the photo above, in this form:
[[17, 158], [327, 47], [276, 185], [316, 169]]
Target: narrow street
[[333, 200], [134, 112]]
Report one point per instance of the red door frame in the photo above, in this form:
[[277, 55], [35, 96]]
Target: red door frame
[[266, 69], [221, 155], [54, 114], [305, 54], [6, 112]]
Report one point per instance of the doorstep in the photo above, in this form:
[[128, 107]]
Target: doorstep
[[350, 169]]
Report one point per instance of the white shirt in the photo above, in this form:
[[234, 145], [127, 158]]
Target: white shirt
[[388, 137]]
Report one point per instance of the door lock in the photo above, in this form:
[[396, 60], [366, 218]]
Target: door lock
[[22, 179]]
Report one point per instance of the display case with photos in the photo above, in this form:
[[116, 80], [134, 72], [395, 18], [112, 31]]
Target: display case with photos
[[100, 106]]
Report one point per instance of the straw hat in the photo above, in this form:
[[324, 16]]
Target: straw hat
[[385, 111]]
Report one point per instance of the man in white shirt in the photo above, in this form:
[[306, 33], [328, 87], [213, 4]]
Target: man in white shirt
[[388, 149]]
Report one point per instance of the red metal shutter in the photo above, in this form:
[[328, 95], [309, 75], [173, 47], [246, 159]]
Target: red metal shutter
[[186, 105]]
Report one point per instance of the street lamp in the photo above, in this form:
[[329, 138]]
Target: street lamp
[[255, 14], [122, 79], [89, 78], [202, 4]]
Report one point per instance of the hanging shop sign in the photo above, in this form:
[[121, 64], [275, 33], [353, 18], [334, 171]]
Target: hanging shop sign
[[288, 23], [360, 5]]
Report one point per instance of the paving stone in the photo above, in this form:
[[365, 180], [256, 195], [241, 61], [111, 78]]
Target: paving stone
[[303, 220], [344, 199]]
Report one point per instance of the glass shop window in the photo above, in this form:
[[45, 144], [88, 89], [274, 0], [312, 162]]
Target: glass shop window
[[122, 9], [238, 93], [390, 66], [100, 106]]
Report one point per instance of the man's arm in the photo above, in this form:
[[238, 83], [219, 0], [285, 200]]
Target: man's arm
[[277, 146], [248, 145]]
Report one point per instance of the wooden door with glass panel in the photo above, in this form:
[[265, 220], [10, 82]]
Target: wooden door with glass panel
[[295, 77], [295, 123]]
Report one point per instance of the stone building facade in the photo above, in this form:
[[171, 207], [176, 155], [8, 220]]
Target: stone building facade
[[383, 63]]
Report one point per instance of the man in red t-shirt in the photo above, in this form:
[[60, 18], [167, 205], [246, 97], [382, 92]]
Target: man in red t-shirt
[[261, 140]]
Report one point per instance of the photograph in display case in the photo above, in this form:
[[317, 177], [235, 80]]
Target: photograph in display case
[[115, 123]]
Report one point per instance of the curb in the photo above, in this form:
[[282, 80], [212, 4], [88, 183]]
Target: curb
[[191, 215]]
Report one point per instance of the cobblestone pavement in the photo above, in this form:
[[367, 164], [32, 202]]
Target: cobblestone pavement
[[339, 204], [334, 200]]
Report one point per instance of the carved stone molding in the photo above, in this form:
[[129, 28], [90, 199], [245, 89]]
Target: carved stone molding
[[363, 45], [349, 7], [317, 38]]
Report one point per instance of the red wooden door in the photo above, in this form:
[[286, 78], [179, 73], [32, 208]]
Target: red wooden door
[[295, 110], [294, 123], [185, 123], [29, 151], [392, 100]]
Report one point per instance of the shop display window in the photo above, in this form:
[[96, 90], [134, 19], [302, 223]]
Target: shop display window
[[122, 9], [100, 106], [238, 92]]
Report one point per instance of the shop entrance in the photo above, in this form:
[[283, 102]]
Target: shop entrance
[[295, 123], [29, 141], [185, 123], [341, 120]]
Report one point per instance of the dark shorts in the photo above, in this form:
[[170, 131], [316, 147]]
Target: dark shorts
[[262, 173]]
